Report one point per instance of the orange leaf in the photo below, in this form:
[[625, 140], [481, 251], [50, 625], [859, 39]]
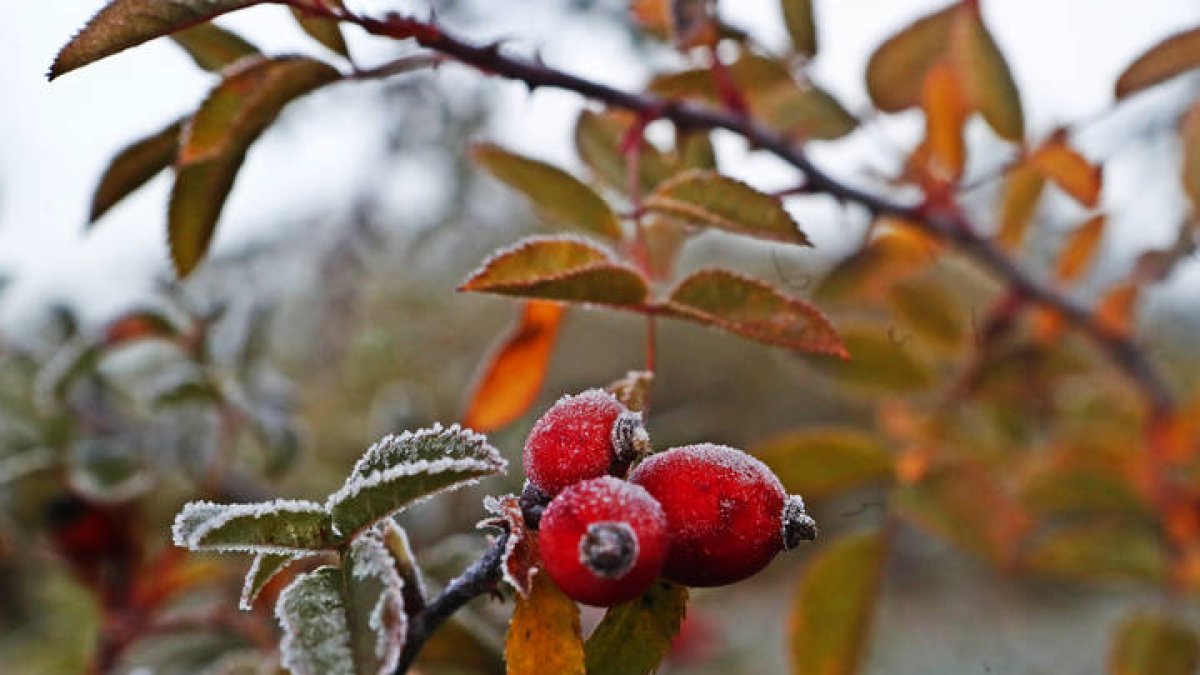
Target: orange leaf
[[1116, 309], [653, 15], [946, 112], [1047, 325], [1082, 246], [514, 374], [1022, 192], [1069, 170], [544, 635]]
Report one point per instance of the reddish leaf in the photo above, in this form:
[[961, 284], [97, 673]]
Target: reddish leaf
[[515, 371], [752, 308], [897, 69], [1081, 248], [138, 325], [520, 561], [133, 167], [560, 268], [122, 24], [1069, 170], [832, 613], [1177, 54]]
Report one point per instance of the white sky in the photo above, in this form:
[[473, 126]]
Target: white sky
[[56, 138]]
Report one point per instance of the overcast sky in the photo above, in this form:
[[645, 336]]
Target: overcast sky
[[56, 138]]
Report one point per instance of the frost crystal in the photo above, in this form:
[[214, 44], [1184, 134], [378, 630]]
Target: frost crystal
[[283, 527], [312, 614]]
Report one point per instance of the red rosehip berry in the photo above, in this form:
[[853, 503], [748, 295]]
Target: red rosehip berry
[[580, 437], [603, 541], [727, 513]]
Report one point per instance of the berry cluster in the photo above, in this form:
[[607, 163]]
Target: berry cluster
[[612, 517]]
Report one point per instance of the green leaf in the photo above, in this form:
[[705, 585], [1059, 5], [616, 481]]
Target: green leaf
[[347, 619], [556, 193], [264, 568], [931, 310], [122, 24], [821, 462], [807, 113], [212, 47], [896, 71], [285, 527], [706, 198], [751, 308], [879, 361], [831, 617], [325, 31], [634, 637], [1149, 644], [1099, 552], [544, 634], [133, 167], [560, 268], [598, 138], [1173, 56], [986, 75], [963, 505], [801, 27], [217, 138], [400, 470], [1081, 491]]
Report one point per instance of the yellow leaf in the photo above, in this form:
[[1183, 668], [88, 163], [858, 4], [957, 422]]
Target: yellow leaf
[[987, 79], [544, 635], [946, 112], [1177, 54], [801, 25], [1081, 248], [832, 613], [515, 372], [1022, 191], [1069, 170]]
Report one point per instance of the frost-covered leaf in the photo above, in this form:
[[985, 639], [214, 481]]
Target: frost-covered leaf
[[633, 390], [282, 526], [833, 610], [824, 461], [400, 470], [634, 637], [556, 193], [264, 568], [598, 140], [739, 304], [896, 71], [1150, 644], [325, 31], [122, 24], [347, 619], [217, 138], [708, 199], [395, 539], [801, 26], [986, 76], [513, 375], [519, 563], [109, 469], [559, 268], [70, 363], [1173, 56], [133, 167], [212, 47], [544, 634]]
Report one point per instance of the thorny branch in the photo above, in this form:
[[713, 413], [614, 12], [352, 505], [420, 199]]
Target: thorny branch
[[944, 223]]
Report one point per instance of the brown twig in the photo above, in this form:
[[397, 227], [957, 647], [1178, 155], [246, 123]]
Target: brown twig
[[948, 225]]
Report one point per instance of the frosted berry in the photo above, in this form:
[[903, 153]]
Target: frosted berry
[[727, 513], [603, 541], [583, 436]]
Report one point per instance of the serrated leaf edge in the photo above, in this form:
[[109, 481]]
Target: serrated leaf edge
[[227, 512]]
